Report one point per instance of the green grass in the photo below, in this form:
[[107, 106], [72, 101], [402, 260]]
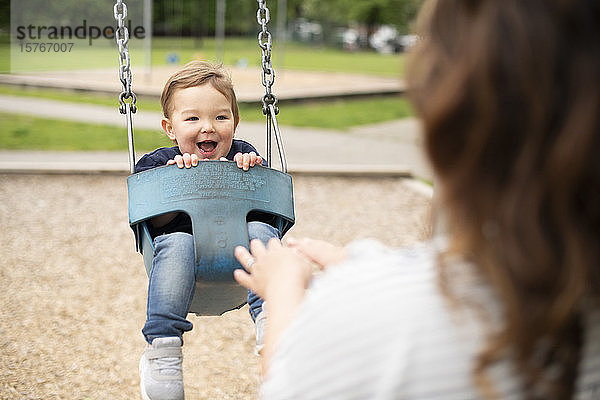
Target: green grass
[[340, 114], [4, 56], [20, 132], [291, 55], [81, 57], [62, 95], [100, 99], [25, 133], [344, 114]]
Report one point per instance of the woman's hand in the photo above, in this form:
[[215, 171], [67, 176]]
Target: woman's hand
[[269, 268], [279, 275], [319, 252]]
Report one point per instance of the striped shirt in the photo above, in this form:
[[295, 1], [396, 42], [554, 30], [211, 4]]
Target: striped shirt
[[377, 327]]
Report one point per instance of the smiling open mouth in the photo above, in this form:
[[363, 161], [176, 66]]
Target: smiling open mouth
[[207, 147]]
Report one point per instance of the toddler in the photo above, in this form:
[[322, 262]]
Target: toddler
[[200, 115]]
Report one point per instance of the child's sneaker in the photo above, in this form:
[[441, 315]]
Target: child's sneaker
[[260, 322], [161, 377]]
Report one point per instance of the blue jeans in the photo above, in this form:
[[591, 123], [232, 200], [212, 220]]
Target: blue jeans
[[172, 282]]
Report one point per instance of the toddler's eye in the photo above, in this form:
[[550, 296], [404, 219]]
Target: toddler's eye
[[222, 117], [191, 119]]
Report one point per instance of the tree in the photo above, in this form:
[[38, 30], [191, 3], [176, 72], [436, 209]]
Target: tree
[[398, 13], [197, 17], [4, 15]]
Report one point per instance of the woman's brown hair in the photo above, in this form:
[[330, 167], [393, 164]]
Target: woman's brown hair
[[509, 94]]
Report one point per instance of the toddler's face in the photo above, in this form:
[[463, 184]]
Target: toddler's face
[[201, 122]]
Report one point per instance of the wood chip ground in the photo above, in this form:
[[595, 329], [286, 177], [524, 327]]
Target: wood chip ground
[[73, 290]]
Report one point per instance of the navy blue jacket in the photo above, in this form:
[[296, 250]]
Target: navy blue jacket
[[160, 156]]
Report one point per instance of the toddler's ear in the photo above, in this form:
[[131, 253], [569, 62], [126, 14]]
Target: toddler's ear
[[167, 127]]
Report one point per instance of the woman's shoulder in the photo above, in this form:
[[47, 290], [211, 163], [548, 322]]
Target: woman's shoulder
[[380, 286], [383, 286], [372, 263], [368, 320]]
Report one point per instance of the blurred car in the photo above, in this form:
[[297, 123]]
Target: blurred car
[[407, 41], [306, 31], [387, 40]]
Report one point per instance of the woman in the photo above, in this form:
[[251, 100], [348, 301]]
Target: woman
[[505, 304]]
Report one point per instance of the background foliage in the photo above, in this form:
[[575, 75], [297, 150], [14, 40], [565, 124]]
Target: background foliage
[[197, 17]]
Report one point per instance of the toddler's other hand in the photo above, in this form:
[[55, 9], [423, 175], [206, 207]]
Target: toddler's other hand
[[247, 160], [186, 160]]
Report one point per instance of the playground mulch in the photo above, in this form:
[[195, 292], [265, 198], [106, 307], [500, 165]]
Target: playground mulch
[[73, 290]]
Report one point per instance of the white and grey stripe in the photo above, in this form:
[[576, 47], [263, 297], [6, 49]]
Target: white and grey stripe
[[377, 327]]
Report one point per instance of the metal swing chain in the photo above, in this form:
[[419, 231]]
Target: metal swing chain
[[265, 41], [122, 38], [127, 108], [269, 100]]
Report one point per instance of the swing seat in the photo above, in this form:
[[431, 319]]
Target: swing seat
[[217, 195]]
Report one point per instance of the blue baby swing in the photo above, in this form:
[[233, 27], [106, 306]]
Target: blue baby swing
[[217, 195]]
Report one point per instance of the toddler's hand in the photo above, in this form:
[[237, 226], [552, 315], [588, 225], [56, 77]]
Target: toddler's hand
[[247, 160], [186, 160]]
